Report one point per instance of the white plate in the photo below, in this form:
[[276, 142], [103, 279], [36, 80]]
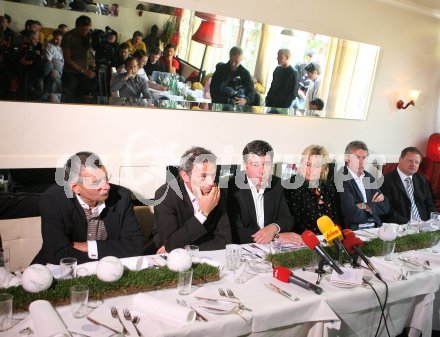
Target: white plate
[[339, 285]]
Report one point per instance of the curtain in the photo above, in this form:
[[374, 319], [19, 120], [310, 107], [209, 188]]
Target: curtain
[[268, 42]]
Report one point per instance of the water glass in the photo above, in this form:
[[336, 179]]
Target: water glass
[[388, 250], [233, 256], [4, 258], [79, 297], [67, 266], [275, 246], [435, 239], [184, 282], [192, 249], [5, 311], [435, 219]]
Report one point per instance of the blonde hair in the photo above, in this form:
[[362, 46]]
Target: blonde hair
[[318, 150]]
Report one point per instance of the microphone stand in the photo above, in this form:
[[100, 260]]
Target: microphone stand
[[320, 270]]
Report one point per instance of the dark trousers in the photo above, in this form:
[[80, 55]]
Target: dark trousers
[[75, 87]]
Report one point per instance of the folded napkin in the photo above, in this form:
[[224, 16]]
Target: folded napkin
[[135, 263], [163, 310], [7, 279], [47, 321], [389, 270], [102, 315]]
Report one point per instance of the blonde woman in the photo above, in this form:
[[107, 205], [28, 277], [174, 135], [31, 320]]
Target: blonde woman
[[311, 194]]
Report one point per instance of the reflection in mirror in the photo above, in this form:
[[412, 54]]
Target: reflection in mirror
[[342, 78]]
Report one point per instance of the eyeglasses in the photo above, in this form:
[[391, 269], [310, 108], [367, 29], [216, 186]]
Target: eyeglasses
[[88, 182]]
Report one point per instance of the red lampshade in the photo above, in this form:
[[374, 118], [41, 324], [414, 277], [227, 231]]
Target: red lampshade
[[209, 33], [433, 151], [210, 17]]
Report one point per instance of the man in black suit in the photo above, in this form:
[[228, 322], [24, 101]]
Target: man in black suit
[[256, 205], [194, 212], [361, 200], [87, 218], [397, 189]]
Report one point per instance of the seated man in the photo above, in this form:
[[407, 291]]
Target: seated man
[[153, 63], [256, 205], [231, 82], [129, 83], [172, 66], [361, 200], [87, 218], [409, 192], [136, 43], [53, 56], [194, 210]]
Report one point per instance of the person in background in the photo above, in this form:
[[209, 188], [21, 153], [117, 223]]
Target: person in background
[[123, 54], [409, 192], [231, 82], [316, 104], [152, 40], [313, 74], [257, 207], [86, 217], [362, 202], [310, 194], [193, 212], [284, 87], [153, 63], [172, 66], [129, 83], [136, 43], [54, 63], [63, 27]]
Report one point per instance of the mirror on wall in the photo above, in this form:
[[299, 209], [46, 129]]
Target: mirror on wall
[[342, 79]]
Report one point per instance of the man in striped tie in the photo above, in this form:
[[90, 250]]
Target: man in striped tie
[[409, 192]]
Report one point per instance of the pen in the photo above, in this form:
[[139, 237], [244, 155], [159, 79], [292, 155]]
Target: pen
[[282, 292]]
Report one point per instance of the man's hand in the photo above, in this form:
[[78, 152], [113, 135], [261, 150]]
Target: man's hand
[[378, 197], [292, 238], [162, 250], [240, 101], [89, 73], [81, 246], [208, 202], [266, 234]]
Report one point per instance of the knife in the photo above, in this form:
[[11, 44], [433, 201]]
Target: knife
[[252, 253], [282, 292], [215, 299], [256, 247], [414, 263]]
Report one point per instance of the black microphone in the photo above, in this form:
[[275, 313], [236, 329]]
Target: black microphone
[[312, 242], [352, 244], [286, 275]]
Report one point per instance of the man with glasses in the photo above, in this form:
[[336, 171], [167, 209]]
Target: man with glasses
[[257, 208], [87, 218], [362, 202]]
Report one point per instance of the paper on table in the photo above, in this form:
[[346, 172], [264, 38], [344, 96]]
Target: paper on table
[[349, 277], [163, 310], [135, 263], [46, 319]]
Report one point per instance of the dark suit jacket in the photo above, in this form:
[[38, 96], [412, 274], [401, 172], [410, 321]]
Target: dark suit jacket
[[395, 191], [350, 195], [175, 224], [241, 208], [63, 222]]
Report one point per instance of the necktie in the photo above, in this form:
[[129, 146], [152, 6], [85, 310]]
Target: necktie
[[95, 226], [409, 187]]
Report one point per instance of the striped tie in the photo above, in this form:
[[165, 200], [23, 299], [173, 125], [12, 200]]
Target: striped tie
[[409, 187]]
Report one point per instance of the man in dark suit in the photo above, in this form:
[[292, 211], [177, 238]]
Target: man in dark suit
[[194, 212], [408, 203], [256, 205], [87, 218], [361, 200]]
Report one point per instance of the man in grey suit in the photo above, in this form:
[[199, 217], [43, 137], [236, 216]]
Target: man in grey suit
[[408, 191]]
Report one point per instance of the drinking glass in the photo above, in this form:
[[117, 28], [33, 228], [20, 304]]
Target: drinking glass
[[233, 255], [67, 266], [275, 246], [192, 249], [4, 258], [388, 250], [5, 311], [435, 219], [184, 282], [79, 297]]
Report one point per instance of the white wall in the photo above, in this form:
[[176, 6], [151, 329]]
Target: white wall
[[35, 135]]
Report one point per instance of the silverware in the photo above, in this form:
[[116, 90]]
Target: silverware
[[414, 263], [198, 314], [127, 316], [226, 300], [115, 314], [256, 247], [26, 331], [252, 252], [235, 311], [282, 292], [135, 321], [230, 294]]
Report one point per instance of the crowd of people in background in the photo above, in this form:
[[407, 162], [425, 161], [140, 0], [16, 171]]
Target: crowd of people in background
[[71, 65]]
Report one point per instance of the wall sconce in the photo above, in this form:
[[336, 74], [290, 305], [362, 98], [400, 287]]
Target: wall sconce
[[413, 96]]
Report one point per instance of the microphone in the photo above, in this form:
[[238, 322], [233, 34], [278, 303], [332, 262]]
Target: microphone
[[312, 242], [332, 234], [353, 244], [285, 275]]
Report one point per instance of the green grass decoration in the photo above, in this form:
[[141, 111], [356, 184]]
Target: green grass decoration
[[374, 247], [130, 283]]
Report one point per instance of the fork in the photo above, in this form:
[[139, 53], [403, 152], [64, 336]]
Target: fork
[[115, 314], [241, 305], [127, 316]]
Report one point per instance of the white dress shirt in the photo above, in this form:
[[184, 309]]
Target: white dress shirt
[[359, 183], [258, 197], [196, 206]]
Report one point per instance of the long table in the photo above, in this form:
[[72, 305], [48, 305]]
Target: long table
[[336, 312]]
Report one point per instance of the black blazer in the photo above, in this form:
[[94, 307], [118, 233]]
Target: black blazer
[[350, 195], [63, 222], [176, 226], [395, 191], [241, 208]]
